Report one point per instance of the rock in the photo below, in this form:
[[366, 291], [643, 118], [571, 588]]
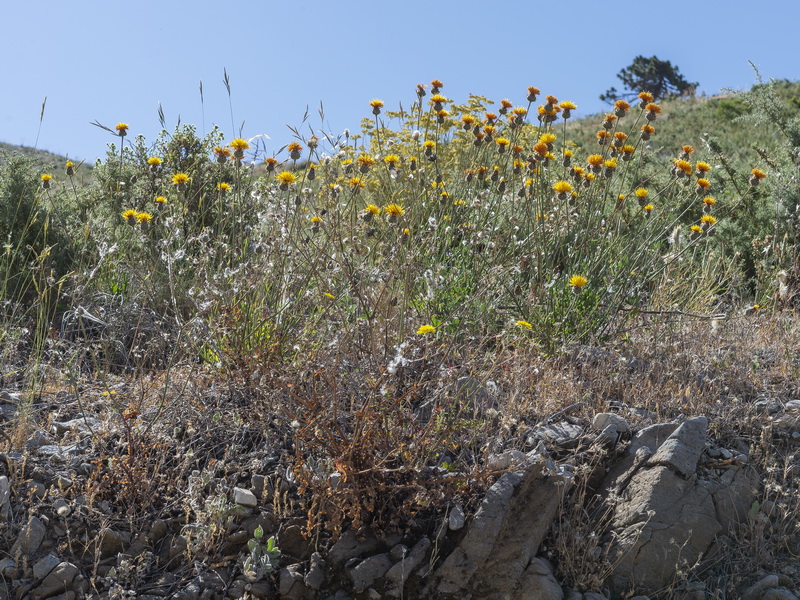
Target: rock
[[779, 593], [8, 568], [110, 542], [400, 571], [30, 538], [290, 582], [80, 424], [315, 578], [561, 434], [666, 515], [754, 591], [63, 509], [60, 579], [244, 497], [5, 497], [350, 546], [652, 437], [603, 420], [37, 439], [43, 566], [593, 596], [537, 583], [506, 460], [502, 539], [608, 437], [369, 570], [456, 518], [7, 412]]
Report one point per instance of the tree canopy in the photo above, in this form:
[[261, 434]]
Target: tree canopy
[[659, 77]]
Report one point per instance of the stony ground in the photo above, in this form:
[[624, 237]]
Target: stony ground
[[156, 486]]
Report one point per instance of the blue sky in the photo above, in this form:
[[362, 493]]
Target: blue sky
[[115, 60]]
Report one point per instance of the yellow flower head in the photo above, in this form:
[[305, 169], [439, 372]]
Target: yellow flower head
[[316, 219], [524, 324], [703, 184], [684, 166], [376, 103], [429, 144], [645, 97], [180, 179], [426, 329], [438, 99], [391, 160], [130, 215], [366, 161], [648, 207], [758, 174], [567, 105], [653, 108], [223, 187], [122, 129], [161, 200], [621, 107], [578, 281], [394, 210], [468, 119], [595, 160], [356, 183], [648, 129], [709, 201], [708, 220], [286, 178], [702, 167], [153, 161], [505, 103], [222, 153], [271, 163], [372, 209], [562, 187], [143, 217], [696, 229], [611, 163], [547, 138], [641, 193], [687, 149], [46, 177]]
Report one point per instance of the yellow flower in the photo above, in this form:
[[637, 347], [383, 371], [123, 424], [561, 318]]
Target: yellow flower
[[130, 215], [502, 142], [524, 324], [394, 211], [329, 295], [683, 167], [356, 183], [122, 129], [547, 138], [709, 201], [222, 154], [46, 177], [562, 187], [240, 145], [696, 229], [578, 281], [708, 220], [595, 160], [143, 217], [161, 200], [758, 173], [645, 97], [223, 187], [271, 163], [365, 161], [648, 207], [316, 219], [567, 105], [180, 179], [286, 178], [641, 193], [70, 168], [702, 167], [391, 160], [703, 184], [372, 209], [376, 103], [426, 329], [154, 161]]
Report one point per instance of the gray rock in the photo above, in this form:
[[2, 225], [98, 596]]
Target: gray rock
[[244, 497], [5, 497], [43, 566], [8, 568], [59, 580], [398, 574], [290, 582], [682, 449], [315, 578], [37, 439], [537, 583], [779, 593], [593, 596], [369, 570], [63, 509], [350, 546], [496, 550], [80, 425], [456, 518], [603, 420], [561, 434], [506, 460], [652, 437], [30, 538], [754, 591], [7, 412]]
